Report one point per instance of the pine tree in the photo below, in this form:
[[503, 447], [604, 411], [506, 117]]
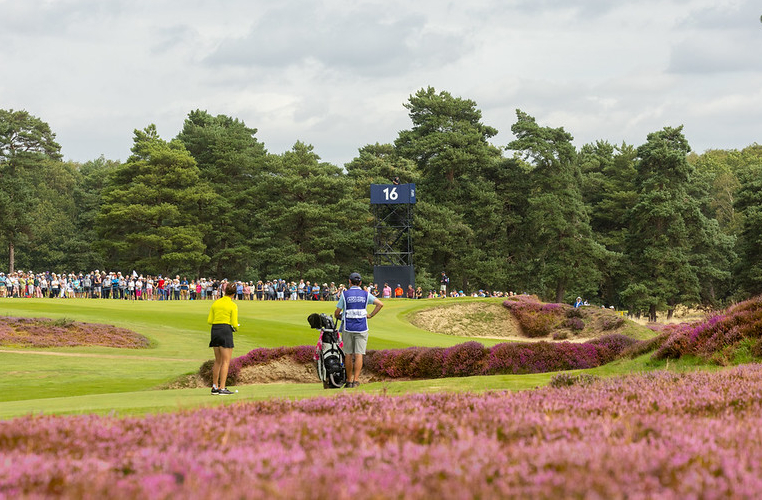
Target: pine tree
[[659, 247], [229, 158], [458, 223], [749, 204], [608, 174], [151, 214], [564, 252], [308, 219], [27, 148]]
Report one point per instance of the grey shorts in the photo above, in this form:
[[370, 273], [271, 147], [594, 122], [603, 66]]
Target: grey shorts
[[355, 343]]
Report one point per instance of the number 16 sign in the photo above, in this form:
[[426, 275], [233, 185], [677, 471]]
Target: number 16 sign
[[385, 194]]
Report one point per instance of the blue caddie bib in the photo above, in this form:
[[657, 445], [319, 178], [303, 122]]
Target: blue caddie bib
[[355, 310]]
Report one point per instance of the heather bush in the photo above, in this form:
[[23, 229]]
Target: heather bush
[[610, 347], [536, 319], [428, 363], [715, 338], [463, 360], [205, 372], [644, 346], [575, 324], [612, 322], [540, 357], [756, 348], [574, 313], [575, 356], [508, 357], [45, 332], [393, 363], [676, 345]]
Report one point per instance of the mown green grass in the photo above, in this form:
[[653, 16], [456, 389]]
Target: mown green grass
[[155, 401], [125, 381]]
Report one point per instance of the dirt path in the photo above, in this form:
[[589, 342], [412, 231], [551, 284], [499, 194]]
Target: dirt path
[[101, 356]]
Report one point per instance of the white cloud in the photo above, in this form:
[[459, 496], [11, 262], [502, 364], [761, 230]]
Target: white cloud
[[336, 73]]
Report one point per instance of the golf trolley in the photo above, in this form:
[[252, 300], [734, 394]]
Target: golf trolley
[[329, 356]]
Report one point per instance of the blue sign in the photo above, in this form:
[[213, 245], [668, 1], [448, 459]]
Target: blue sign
[[389, 194]]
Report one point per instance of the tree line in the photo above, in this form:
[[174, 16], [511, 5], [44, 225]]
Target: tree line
[[640, 227]]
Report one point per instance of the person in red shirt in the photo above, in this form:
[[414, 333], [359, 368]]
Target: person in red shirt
[[399, 292], [160, 288]]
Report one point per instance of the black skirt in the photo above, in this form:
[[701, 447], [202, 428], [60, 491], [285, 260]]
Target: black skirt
[[222, 336]]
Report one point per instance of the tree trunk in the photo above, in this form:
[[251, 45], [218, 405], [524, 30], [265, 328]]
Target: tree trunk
[[670, 312], [11, 257], [560, 290], [652, 313]]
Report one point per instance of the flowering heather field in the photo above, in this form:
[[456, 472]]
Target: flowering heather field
[[658, 435], [44, 332]]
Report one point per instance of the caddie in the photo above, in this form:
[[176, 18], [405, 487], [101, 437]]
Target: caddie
[[352, 309]]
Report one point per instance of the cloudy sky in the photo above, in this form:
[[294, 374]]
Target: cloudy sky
[[335, 74]]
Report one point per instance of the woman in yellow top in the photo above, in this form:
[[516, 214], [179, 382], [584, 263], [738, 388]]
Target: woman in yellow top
[[223, 316]]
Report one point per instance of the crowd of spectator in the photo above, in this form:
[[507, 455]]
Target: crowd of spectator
[[133, 286]]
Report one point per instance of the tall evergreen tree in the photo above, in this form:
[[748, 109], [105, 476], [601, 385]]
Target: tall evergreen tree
[[718, 169], [564, 251], [229, 158], [458, 222], [53, 244], [87, 196], [379, 164], [608, 188], [659, 247], [749, 204], [27, 148], [511, 177], [151, 214], [308, 219]]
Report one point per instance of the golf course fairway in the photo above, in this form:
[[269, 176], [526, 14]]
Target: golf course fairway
[[103, 380]]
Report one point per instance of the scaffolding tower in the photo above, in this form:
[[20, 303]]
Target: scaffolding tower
[[393, 240]]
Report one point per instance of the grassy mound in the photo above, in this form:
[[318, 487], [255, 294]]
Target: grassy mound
[[562, 321], [486, 319], [735, 335]]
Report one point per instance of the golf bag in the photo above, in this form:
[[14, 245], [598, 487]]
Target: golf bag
[[329, 356]]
